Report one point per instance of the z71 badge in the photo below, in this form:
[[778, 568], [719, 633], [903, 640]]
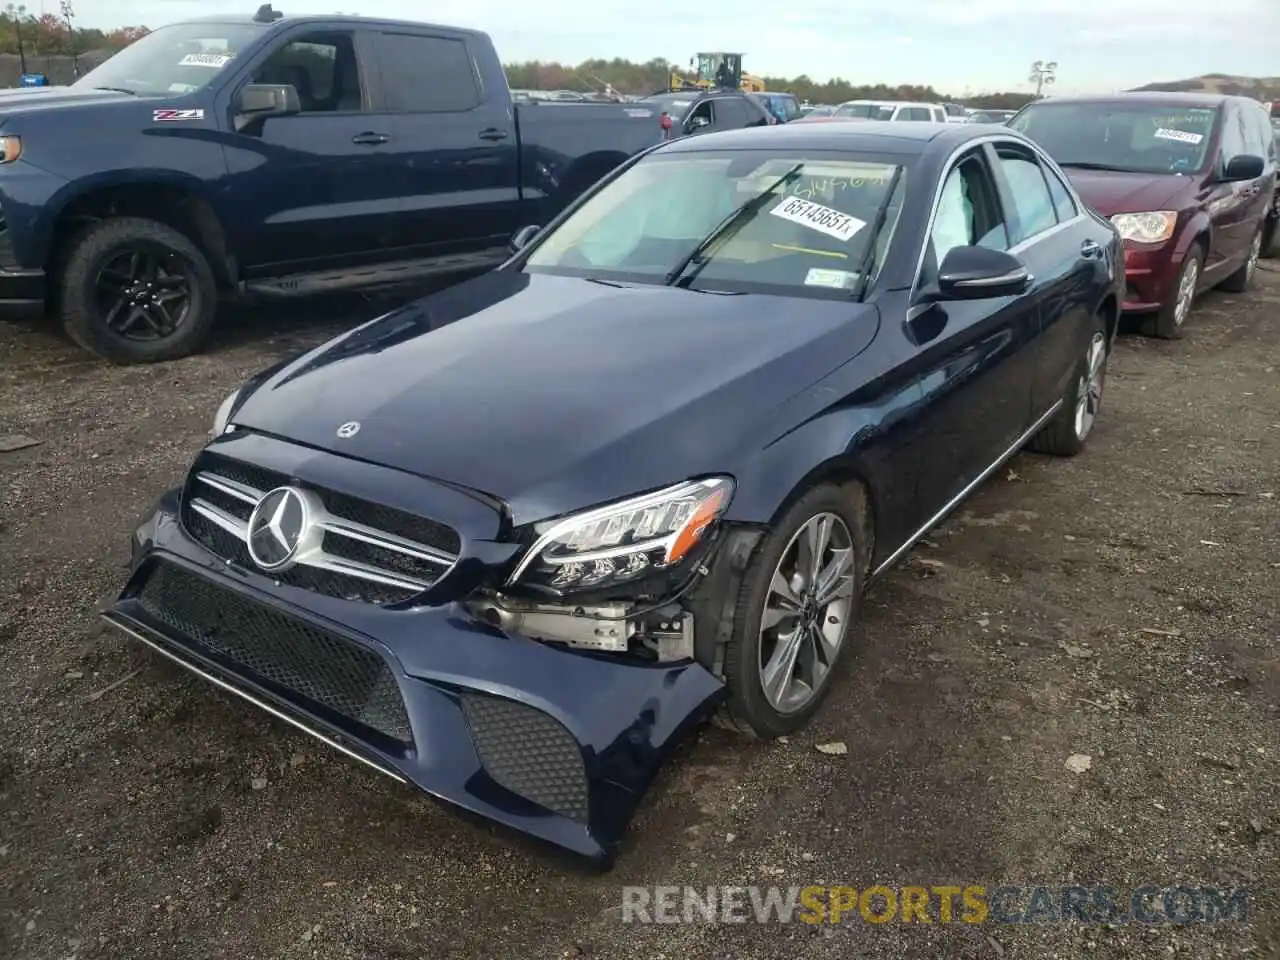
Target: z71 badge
[[165, 116]]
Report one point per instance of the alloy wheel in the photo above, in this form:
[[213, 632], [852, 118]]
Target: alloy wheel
[[1255, 251], [1187, 283], [144, 293], [1089, 388], [806, 612]]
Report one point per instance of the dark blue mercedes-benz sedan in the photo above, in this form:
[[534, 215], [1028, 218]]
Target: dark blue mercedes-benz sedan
[[509, 542]]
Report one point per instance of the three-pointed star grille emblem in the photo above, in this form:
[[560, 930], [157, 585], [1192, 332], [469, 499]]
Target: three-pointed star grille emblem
[[276, 528]]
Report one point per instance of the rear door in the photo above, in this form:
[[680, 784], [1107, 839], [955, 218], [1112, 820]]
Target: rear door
[[1260, 142], [457, 161], [979, 356], [1067, 262], [915, 114], [311, 190]]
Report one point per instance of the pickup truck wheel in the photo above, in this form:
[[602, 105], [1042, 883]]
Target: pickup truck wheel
[[800, 599], [1242, 279], [1066, 433], [137, 291]]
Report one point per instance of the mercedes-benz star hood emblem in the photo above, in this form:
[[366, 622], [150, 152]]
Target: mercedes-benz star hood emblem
[[348, 430]]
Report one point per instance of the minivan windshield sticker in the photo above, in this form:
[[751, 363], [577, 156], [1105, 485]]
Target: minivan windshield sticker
[[1182, 136], [817, 217], [167, 116], [214, 60]]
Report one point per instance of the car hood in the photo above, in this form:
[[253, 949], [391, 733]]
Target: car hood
[[26, 99], [1111, 192], [555, 393]]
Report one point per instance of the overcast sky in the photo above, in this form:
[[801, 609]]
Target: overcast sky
[[955, 45]]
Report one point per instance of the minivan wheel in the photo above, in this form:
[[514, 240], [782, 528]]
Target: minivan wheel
[[1169, 321], [136, 291], [1242, 279], [796, 613]]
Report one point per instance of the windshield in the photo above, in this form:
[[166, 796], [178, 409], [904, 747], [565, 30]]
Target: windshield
[[177, 59], [1133, 137], [864, 111], [813, 235], [675, 106]]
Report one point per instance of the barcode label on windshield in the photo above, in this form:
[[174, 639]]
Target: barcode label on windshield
[[1182, 136], [213, 60], [817, 217]]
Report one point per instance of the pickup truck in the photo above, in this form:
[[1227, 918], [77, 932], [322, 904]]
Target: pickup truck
[[277, 156]]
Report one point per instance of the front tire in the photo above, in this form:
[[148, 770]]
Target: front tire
[[1169, 321], [136, 291], [1066, 433], [799, 602]]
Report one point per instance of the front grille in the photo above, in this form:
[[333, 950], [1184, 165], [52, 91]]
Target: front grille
[[529, 753], [312, 664], [368, 552]]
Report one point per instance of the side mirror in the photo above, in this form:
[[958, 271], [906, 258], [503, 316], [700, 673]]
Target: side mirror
[[268, 100], [523, 237], [698, 122], [1244, 167], [979, 273]]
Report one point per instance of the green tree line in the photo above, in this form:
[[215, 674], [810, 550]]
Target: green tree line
[[49, 35], [642, 78]]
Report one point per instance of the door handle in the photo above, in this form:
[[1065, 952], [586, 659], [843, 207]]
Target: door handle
[[370, 139], [493, 133], [1090, 250]]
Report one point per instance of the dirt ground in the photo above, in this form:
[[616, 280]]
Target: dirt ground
[[1124, 605]]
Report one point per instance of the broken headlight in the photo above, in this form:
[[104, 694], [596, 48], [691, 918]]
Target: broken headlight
[[625, 540]]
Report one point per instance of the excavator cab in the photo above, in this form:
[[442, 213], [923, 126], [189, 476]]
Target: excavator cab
[[720, 70]]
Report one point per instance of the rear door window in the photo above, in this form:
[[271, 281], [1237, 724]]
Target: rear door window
[[914, 113], [426, 74], [731, 114]]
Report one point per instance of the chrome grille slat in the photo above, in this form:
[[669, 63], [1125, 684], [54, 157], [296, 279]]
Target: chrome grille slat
[[238, 497]]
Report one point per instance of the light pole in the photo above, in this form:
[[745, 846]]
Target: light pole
[[1042, 74], [16, 14], [67, 14]]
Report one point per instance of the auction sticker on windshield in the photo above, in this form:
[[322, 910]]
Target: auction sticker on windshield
[[1182, 136], [817, 217], [214, 60]]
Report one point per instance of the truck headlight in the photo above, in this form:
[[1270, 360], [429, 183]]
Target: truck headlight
[[222, 418], [1154, 227], [625, 540]]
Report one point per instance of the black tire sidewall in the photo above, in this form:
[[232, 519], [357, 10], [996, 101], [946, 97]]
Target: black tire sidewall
[[747, 702], [81, 317]]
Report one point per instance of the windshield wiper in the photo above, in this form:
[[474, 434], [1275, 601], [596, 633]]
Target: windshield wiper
[[132, 93], [724, 226], [882, 214]]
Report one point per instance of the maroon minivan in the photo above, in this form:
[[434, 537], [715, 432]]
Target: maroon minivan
[[1188, 179]]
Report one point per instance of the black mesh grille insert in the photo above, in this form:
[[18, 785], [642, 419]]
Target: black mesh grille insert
[[226, 545], [529, 753], [313, 663]]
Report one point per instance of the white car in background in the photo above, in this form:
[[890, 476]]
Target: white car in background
[[902, 110]]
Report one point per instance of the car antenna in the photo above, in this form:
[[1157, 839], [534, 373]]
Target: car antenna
[[267, 15]]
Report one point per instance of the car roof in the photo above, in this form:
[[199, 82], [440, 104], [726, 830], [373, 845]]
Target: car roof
[[1168, 98], [895, 103], [867, 136], [336, 18]]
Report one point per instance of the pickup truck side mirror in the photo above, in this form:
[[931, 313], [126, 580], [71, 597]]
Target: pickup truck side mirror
[[700, 121], [1244, 167], [523, 237], [258, 100]]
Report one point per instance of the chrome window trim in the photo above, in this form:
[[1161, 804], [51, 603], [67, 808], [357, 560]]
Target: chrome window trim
[[950, 164]]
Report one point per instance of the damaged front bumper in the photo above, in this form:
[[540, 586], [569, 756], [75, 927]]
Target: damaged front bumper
[[556, 744]]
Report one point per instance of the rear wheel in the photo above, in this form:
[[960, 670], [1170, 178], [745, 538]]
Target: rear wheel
[[1169, 321], [799, 601], [136, 291], [1242, 279], [1066, 433]]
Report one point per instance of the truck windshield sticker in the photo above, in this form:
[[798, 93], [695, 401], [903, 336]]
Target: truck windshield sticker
[[168, 116], [837, 279], [817, 217], [215, 61], [1181, 136]]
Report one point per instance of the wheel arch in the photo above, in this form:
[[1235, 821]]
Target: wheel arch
[[174, 199]]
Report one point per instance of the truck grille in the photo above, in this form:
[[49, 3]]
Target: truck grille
[[312, 664], [367, 552]]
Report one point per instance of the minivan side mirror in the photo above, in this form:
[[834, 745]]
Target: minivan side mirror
[[979, 273], [523, 237], [1246, 166], [268, 100]]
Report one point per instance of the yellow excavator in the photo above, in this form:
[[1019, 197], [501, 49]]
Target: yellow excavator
[[718, 71]]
